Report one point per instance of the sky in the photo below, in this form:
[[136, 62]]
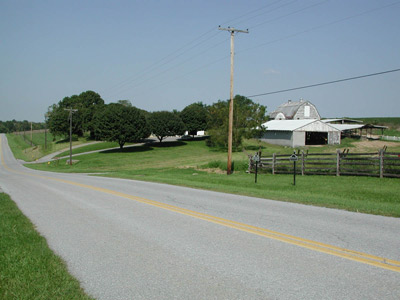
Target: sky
[[165, 55]]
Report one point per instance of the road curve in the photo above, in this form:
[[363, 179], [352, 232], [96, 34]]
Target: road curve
[[126, 239]]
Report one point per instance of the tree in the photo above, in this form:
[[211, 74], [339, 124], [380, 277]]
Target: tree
[[165, 123], [194, 116], [247, 119], [87, 104], [121, 124], [125, 102]]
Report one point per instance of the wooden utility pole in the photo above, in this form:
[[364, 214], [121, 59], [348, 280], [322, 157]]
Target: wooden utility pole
[[230, 130], [71, 111]]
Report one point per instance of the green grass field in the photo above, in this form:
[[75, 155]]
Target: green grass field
[[93, 147], [393, 125], [193, 164], [28, 268], [22, 148]]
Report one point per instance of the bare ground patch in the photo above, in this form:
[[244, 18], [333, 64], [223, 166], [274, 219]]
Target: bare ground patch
[[366, 145]]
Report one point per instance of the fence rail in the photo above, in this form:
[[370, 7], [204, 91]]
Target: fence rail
[[390, 138], [378, 164]]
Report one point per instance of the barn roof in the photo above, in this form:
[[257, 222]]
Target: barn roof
[[289, 109], [342, 120], [343, 127], [292, 125]]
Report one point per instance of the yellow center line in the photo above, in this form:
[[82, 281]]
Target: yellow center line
[[361, 257]]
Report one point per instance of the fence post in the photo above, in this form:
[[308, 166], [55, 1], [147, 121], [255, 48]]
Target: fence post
[[273, 163], [302, 163], [337, 162], [380, 163]]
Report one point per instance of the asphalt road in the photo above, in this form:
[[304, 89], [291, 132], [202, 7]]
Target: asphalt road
[[127, 239]]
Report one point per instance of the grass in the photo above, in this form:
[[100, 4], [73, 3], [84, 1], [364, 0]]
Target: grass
[[152, 156], [359, 194], [193, 164], [28, 268], [393, 125], [22, 148], [92, 147]]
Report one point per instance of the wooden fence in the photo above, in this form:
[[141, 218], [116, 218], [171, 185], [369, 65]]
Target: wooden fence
[[379, 164]]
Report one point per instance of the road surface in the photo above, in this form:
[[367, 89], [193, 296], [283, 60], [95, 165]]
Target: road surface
[[125, 239]]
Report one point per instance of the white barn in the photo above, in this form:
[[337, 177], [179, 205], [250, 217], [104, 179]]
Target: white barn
[[298, 133]]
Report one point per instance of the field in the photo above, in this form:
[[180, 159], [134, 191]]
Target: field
[[28, 268], [193, 164], [393, 125], [22, 149]]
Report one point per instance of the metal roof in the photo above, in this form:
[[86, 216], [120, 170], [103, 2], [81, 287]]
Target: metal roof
[[343, 127], [289, 109], [290, 125], [342, 120]]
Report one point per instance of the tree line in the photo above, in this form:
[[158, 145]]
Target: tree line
[[19, 126], [123, 123]]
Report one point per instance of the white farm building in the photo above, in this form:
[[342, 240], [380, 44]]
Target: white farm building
[[297, 124], [297, 133]]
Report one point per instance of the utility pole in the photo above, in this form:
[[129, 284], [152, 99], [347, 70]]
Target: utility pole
[[46, 116], [230, 134], [71, 111]]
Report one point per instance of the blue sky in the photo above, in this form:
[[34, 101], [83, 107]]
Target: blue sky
[[164, 55]]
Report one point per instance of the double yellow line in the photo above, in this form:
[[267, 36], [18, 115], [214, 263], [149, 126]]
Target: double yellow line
[[364, 258]]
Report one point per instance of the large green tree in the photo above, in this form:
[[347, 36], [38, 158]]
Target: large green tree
[[165, 123], [90, 103], [121, 124], [247, 119], [194, 116], [86, 103]]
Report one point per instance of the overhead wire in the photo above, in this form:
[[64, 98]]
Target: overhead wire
[[319, 26], [324, 83], [289, 14], [289, 36], [220, 59], [248, 49], [178, 53]]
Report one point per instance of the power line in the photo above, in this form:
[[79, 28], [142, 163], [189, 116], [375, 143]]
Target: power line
[[287, 15], [176, 54], [317, 27], [324, 83]]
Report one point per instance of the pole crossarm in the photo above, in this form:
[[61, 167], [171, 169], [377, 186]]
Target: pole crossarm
[[231, 29]]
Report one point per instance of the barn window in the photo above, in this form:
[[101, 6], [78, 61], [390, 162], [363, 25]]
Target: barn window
[[307, 111]]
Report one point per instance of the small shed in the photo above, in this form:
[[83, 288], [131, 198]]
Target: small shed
[[296, 110], [298, 133]]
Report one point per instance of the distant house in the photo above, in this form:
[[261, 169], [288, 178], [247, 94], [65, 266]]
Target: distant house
[[299, 110]]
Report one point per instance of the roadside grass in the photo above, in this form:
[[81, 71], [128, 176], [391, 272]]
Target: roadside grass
[[193, 164], [153, 156], [358, 194], [22, 148], [28, 268]]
